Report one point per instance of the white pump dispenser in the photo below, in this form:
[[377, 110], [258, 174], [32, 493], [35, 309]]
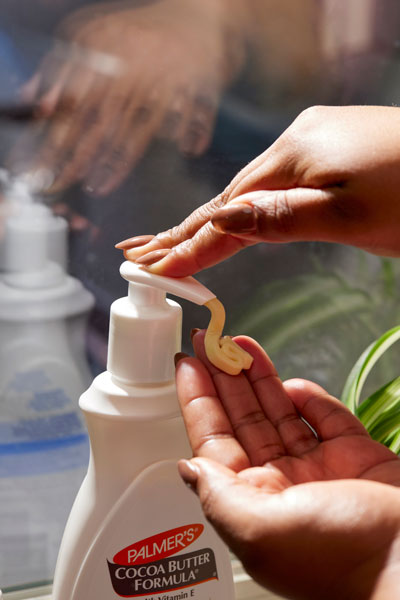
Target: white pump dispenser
[[43, 370], [145, 329], [135, 529]]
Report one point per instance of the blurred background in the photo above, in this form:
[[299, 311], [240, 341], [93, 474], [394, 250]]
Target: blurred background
[[118, 119]]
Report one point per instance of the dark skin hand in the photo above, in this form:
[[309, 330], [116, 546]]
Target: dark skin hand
[[323, 507], [333, 175]]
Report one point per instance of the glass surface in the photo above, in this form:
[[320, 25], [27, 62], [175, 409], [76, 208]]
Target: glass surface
[[127, 116]]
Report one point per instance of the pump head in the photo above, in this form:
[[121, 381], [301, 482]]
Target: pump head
[[183, 287], [145, 327]]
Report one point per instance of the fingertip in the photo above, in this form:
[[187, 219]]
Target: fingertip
[[259, 354], [171, 266], [199, 349], [143, 249], [134, 242], [189, 472], [302, 387], [207, 467], [193, 332], [179, 356], [200, 469]]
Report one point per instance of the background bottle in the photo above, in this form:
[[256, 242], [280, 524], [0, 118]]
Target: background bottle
[[43, 370]]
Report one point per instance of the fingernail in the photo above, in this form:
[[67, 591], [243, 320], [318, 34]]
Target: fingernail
[[193, 332], [179, 356], [134, 253], [240, 218], [94, 181], [189, 472], [151, 257], [134, 242]]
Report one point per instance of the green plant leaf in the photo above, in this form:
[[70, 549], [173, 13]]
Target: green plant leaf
[[394, 445], [386, 425], [378, 403], [359, 373]]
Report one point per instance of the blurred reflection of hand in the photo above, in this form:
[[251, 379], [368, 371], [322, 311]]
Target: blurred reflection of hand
[[125, 75]]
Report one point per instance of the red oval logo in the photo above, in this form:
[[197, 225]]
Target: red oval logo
[[160, 545]]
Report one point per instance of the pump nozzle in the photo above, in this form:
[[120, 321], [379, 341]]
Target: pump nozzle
[[223, 352], [184, 287]]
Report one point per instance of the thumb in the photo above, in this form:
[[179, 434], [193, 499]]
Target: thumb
[[297, 214], [229, 502]]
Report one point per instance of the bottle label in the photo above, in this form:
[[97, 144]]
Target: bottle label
[[41, 427], [155, 544], [135, 570]]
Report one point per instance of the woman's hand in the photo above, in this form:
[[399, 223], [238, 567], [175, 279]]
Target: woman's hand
[[333, 175], [120, 76], [311, 515]]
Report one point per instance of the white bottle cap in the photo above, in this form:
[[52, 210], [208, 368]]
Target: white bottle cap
[[26, 258], [145, 327], [33, 238]]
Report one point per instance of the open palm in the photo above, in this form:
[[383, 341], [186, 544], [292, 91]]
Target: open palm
[[253, 419], [292, 480]]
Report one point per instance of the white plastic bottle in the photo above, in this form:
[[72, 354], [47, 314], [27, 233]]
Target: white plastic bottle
[[135, 529], [44, 446]]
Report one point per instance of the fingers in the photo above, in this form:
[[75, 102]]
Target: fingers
[[205, 249], [288, 215], [139, 122], [209, 430], [262, 414], [255, 433], [136, 241], [93, 105], [222, 228], [174, 115], [56, 87], [182, 232], [326, 414], [341, 214], [195, 243], [263, 216], [29, 91], [297, 438], [52, 73], [96, 118], [199, 126], [65, 125]]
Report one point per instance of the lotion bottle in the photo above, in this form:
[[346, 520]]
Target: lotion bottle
[[44, 447], [135, 529]]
